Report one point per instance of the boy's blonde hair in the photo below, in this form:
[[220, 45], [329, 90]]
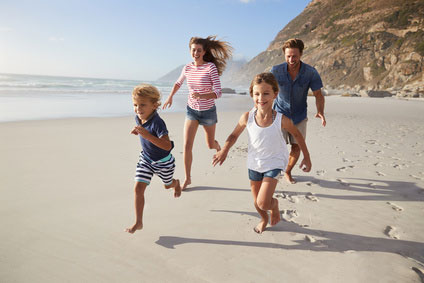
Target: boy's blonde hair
[[264, 78], [147, 91]]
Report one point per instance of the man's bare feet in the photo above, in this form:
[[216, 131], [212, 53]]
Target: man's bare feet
[[187, 182], [275, 213], [289, 178], [137, 226], [218, 147], [177, 189]]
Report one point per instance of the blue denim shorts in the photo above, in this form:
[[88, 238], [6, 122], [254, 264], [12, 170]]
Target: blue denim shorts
[[256, 176], [205, 118]]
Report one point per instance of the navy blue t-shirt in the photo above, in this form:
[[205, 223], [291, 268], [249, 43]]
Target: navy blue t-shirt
[[291, 100], [157, 127]]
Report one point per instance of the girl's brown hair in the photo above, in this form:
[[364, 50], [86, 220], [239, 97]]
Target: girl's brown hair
[[217, 51], [264, 78]]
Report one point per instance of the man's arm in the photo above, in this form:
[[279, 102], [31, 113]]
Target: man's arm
[[320, 101]]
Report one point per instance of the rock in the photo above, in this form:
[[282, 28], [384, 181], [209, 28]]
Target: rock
[[227, 90]]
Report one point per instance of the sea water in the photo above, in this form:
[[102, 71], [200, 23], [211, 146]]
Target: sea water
[[35, 97], [32, 97]]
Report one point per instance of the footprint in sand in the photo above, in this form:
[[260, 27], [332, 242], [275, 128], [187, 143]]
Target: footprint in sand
[[290, 198], [343, 182], [395, 206], [321, 172], [416, 177], [380, 173], [346, 160], [343, 169], [310, 196], [310, 239], [289, 214], [391, 232], [371, 142]]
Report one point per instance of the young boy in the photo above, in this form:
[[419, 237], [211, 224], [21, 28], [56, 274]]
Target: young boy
[[156, 157]]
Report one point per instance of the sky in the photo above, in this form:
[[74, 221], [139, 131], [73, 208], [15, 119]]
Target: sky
[[129, 39]]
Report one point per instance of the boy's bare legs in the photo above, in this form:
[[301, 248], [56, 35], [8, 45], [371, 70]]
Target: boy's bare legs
[[211, 142], [177, 188], [190, 129], [293, 157], [139, 189]]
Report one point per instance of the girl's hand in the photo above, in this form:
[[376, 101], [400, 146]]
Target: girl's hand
[[219, 157], [168, 103], [306, 165]]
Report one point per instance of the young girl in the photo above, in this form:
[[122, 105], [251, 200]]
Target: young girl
[[209, 60], [267, 150], [156, 157]]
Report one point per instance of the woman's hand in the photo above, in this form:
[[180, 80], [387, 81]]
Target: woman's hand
[[168, 103]]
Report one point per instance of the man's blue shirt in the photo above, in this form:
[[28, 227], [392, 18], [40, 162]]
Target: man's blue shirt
[[291, 100], [157, 127]]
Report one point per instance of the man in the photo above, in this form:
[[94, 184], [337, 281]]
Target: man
[[295, 78]]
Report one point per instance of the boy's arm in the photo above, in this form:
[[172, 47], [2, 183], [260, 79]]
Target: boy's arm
[[163, 142], [287, 124], [221, 155]]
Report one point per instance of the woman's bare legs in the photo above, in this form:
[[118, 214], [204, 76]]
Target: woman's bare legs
[[210, 137], [190, 129]]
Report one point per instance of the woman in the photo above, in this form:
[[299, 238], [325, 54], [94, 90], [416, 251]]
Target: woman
[[209, 60]]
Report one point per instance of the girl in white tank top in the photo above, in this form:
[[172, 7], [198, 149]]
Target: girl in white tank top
[[267, 150]]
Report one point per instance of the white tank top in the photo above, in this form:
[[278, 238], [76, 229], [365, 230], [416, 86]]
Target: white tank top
[[267, 148]]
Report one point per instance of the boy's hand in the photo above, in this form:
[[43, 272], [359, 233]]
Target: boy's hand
[[138, 130], [219, 157], [306, 165]]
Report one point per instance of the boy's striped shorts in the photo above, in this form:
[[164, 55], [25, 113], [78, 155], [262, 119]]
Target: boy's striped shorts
[[163, 168]]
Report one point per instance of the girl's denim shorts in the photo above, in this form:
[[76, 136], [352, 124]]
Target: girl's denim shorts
[[205, 118], [256, 176]]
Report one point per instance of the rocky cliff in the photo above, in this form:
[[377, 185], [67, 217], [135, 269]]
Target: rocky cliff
[[355, 45]]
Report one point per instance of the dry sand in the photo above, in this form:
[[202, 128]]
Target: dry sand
[[358, 216]]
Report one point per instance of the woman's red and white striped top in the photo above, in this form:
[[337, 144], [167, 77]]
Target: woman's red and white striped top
[[201, 79]]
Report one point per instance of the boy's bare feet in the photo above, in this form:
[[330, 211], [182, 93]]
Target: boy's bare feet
[[275, 213], [137, 226], [187, 182], [289, 178], [177, 189]]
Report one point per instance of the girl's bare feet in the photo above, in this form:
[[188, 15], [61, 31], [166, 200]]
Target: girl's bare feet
[[137, 226], [177, 189], [260, 227], [187, 182]]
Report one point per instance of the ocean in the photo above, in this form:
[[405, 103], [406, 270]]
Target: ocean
[[35, 97]]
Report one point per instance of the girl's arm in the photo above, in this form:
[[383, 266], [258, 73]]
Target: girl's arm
[[209, 95], [163, 142], [220, 156], [287, 124]]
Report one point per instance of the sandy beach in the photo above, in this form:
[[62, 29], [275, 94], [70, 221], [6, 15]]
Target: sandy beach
[[358, 216]]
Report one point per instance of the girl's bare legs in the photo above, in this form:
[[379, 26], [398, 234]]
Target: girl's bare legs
[[139, 189], [264, 190], [255, 187], [190, 129], [210, 137]]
